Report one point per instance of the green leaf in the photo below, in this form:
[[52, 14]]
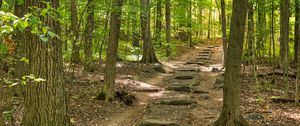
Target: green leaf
[[52, 35], [44, 38], [14, 84], [45, 30], [39, 80], [25, 60]]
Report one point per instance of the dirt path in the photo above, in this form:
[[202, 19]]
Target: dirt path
[[197, 109]]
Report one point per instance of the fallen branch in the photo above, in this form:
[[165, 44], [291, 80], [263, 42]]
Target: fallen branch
[[277, 73], [283, 100]]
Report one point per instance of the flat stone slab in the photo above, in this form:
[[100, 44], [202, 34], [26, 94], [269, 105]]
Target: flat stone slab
[[146, 89], [176, 101], [208, 50], [187, 70], [184, 77], [153, 122], [204, 54], [203, 57], [180, 88], [167, 115], [195, 62]]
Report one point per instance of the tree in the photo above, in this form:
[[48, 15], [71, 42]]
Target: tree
[[111, 56], [296, 32], [189, 23], [75, 58], [45, 99], [230, 115], [284, 37], [149, 55], [223, 16], [261, 27], [158, 22], [168, 25], [90, 26]]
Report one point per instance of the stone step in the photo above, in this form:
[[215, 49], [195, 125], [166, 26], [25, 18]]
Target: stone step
[[205, 54], [183, 77], [195, 62], [158, 122], [147, 89], [208, 50], [180, 88], [187, 69], [203, 58], [176, 101], [167, 115]]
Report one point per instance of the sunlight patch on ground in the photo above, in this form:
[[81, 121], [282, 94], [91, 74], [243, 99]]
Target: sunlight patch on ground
[[295, 116], [210, 67]]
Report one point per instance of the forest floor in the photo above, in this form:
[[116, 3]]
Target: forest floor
[[180, 93], [199, 106]]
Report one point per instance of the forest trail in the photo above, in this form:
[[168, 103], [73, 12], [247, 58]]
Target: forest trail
[[185, 95]]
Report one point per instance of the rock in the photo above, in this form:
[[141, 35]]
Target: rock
[[195, 62], [182, 88], [152, 122], [253, 116], [183, 77], [177, 102], [207, 50], [158, 68], [206, 97], [219, 83], [215, 70]]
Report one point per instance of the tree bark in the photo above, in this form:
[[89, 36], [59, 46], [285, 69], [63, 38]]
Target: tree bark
[[45, 101], [88, 53], [284, 37], [296, 32], [168, 26], [230, 115], [261, 26], [75, 57], [149, 55], [223, 16], [111, 52], [297, 92], [189, 24], [158, 22]]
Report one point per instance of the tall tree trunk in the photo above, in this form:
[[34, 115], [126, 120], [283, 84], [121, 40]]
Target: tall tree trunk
[[284, 37], [250, 31], [273, 41], [168, 26], [296, 33], [149, 55], [297, 92], [88, 53], [261, 26], [45, 101], [158, 22], [189, 23], [231, 115], [75, 57], [112, 50], [209, 23], [223, 16]]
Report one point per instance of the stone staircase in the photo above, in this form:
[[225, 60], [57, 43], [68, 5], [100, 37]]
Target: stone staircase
[[173, 107]]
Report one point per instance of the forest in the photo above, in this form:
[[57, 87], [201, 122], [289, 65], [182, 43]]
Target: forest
[[149, 62]]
